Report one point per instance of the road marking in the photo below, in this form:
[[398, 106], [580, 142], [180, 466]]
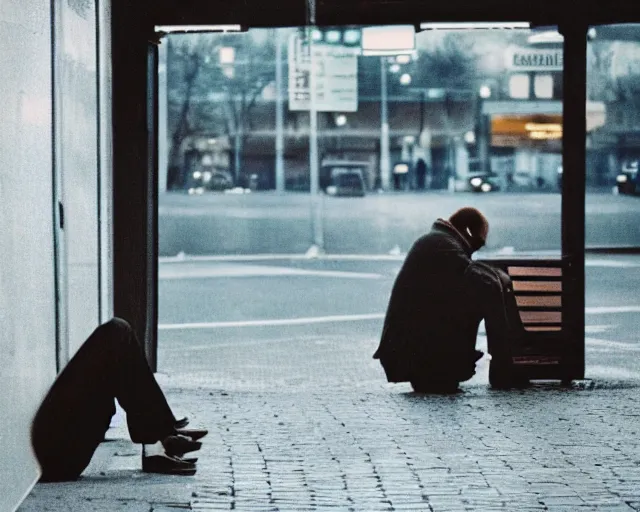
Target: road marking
[[393, 255], [596, 329], [231, 270], [615, 345], [610, 372], [611, 309], [274, 322], [182, 258], [354, 318], [611, 264]]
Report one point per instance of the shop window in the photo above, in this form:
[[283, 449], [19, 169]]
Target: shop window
[[543, 86], [519, 86]]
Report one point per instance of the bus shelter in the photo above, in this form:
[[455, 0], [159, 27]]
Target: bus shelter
[[558, 284]]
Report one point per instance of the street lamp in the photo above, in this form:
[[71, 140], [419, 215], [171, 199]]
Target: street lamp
[[387, 41], [470, 137], [341, 120], [483, 126], [227, 55], [385, 169]]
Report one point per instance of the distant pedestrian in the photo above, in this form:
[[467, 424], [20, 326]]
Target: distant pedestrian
[[438, 300], [76, 412], [421, 174]]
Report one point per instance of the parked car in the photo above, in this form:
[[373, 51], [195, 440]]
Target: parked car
[[209, 180], [483, 182], [344, 178], [628, 180]]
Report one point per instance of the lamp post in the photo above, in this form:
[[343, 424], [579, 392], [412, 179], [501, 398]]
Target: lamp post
[[449, 164], [280, 181], [227, 60], [385, 164], [317, 228], [384, 42], [482, 135]]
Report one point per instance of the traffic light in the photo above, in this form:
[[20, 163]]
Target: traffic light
[[343, 36]]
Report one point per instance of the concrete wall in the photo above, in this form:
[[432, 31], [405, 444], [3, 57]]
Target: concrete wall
[[54, 146], [76, 92], [27, 294]]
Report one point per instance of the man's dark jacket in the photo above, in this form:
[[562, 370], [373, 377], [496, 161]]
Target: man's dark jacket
[[433, 315]]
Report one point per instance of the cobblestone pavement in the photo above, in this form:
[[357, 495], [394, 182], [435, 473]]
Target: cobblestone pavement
[[315, 442], [543, 448]]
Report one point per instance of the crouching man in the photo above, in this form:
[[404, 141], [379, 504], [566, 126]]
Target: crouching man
[[438, 300]]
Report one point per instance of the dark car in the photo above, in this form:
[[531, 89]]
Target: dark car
[[343, 178], [208, 180], [483, 182], [628, 180]]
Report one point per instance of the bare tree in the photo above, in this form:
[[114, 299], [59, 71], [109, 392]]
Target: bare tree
[[600, 84], [449, 63], [214, 81], [614, 78], [244, 81], [190, 68]]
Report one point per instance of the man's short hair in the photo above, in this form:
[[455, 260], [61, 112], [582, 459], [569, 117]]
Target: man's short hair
[[472, 224]]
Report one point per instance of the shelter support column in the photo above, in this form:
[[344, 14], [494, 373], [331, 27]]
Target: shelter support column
[[134, 113], [573, 189]]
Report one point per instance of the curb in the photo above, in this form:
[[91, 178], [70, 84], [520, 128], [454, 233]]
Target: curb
[[612, 250]]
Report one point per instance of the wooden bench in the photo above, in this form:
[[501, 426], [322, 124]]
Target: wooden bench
[[538, 293], [538, 290]]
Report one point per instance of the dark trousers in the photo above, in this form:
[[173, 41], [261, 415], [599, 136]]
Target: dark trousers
[[491, 298], [77, 410], [502, 320]]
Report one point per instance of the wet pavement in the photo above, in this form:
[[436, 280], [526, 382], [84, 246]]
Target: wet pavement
[[301, 417], [380, 447]]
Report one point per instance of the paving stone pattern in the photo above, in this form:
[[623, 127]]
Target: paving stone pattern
[[283, 441], [388, 449], [537, 449]]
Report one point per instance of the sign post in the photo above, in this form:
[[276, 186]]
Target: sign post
[[336, 76], [322, 78]]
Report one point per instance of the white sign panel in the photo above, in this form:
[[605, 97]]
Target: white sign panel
[[336, 76], [524, 59]]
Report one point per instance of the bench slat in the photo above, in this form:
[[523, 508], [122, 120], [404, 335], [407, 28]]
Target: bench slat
[[548, 301], [541, 317], [537, 286], [535, 271]]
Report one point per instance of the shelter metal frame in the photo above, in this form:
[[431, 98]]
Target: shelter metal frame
[[134, 61]]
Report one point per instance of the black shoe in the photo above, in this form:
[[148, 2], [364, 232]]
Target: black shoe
[[178, 445], [167, 465], [191, 460], [182, 422], [193, 433]]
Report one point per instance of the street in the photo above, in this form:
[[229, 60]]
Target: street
[[241, 323], [269, 223]]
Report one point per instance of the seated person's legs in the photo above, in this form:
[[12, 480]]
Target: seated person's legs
[[77, 410], [444, 375], [505, 335], [492, 289]]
